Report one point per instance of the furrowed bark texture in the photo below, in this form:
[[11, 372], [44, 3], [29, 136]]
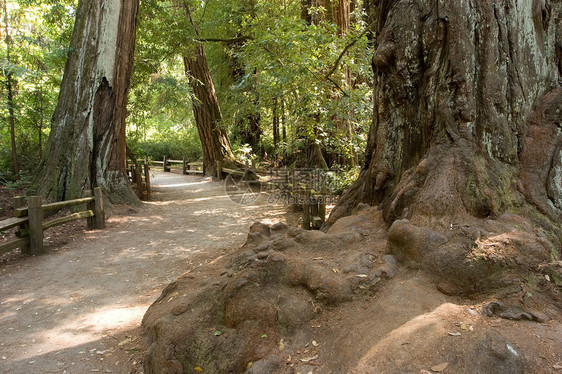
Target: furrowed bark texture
[[86, 147], [467, 117], [206, 110]]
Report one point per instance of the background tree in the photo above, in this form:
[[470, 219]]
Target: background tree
[[86, 145], [10, 90], [258, 52], [206, 108]]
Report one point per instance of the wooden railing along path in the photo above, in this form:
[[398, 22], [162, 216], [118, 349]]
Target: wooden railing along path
[[31, 224], [187, 167], [139, 175], [301, 193]]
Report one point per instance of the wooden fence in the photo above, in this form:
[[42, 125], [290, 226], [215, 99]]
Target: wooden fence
[[139, 175], [31, 223], [187, 167], [311, 201]]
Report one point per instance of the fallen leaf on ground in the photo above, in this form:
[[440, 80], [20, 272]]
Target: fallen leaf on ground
[[455, 333], [198, 369], [440, 367], [128, 340], [307, 359]]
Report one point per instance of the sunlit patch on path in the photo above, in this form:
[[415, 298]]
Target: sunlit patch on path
[[75, 310]]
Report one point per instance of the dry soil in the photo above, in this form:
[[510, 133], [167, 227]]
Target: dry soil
[[77, 308]]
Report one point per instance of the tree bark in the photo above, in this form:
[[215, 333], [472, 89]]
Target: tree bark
[[341, 10], [465, 117], [41, 122], [206, 110], [283, 124], [275, 121], [86, 147]]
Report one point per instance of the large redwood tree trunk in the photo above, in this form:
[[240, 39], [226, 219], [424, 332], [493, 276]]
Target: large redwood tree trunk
[[466, 123], [86, 146], [460, 89]]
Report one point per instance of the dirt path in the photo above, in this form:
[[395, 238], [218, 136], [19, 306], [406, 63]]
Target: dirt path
[[77, 309]]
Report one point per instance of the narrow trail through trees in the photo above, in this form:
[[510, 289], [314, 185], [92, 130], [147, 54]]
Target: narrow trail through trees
[[77, 309]]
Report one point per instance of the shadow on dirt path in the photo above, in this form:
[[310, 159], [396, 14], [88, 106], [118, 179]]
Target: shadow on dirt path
[[77, 309]]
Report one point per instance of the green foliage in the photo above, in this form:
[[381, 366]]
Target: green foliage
[[39, 34], [340, 178], [267, 64], [176, 145]]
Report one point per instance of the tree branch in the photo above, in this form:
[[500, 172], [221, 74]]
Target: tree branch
[[345, 50], [225, 40]]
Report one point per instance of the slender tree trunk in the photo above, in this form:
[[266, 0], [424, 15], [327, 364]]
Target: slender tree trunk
[[252, 134], [275, 122], [11, 119], [342, 17], [41, 122], [86, 146], [283, 123], [310, 12], [206, 108], [341, 10], [10, 91]]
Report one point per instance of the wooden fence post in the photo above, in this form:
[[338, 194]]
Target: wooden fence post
[[138, 180], [164, 164], [35, 213], [184, 171], [147, 177], [99, 214], [19, 202], [90, 206]]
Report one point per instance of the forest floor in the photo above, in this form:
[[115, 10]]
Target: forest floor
[[77, 309]]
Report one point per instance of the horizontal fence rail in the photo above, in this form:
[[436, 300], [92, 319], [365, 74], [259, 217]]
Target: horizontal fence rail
[[187, 167], [31, 222]]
